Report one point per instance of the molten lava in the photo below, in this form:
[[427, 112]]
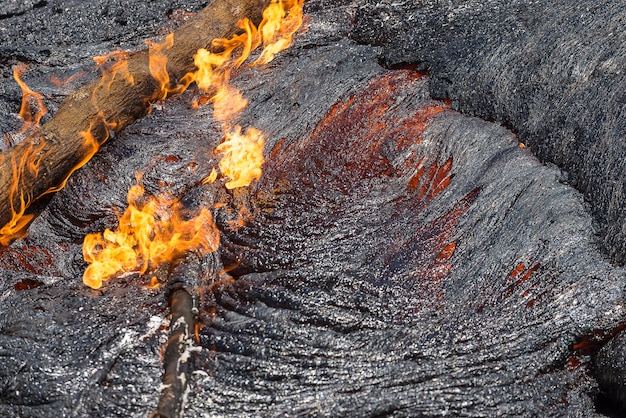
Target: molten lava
[[152, 230]]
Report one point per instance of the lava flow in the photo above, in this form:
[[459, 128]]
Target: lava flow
[[151, 230]]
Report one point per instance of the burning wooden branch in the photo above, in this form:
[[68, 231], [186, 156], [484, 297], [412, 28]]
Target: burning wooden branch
[[42, 162]]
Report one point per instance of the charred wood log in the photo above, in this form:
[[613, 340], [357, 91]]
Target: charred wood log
[[44, 160]]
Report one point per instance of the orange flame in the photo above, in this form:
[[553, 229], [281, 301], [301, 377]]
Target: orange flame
[[281, 19], [154, 283], [33, 108], [28, 164], [91, 147], [158, 64], [111, 65], [151, 231], [243, 154]]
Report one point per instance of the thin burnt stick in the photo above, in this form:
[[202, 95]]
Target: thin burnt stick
[[176, 367], [44, 160], [180, 342]]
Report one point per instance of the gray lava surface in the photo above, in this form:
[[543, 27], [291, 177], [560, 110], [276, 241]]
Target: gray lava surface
[[398, 257]]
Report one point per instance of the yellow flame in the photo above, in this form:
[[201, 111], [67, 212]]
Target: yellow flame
[[211, 177], [242, 156], [33, 108], [152, 230], [27, 164], [281, 19]]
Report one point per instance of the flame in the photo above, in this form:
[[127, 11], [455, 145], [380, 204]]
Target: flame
[[91, 147], [281, 19], [33, 108], [243, 153], [154, 283], [111, 64], [62, 83], [211, 177], [28, 164], [158, 64], [152, 230], [242, 157]]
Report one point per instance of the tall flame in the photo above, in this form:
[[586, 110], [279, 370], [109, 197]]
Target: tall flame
[[243, 154], [152, 230], [28, 164], [280, 21], [158, 64]]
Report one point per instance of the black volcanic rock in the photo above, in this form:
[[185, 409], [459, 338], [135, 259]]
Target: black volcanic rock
[[397, 258], [553, 71]]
